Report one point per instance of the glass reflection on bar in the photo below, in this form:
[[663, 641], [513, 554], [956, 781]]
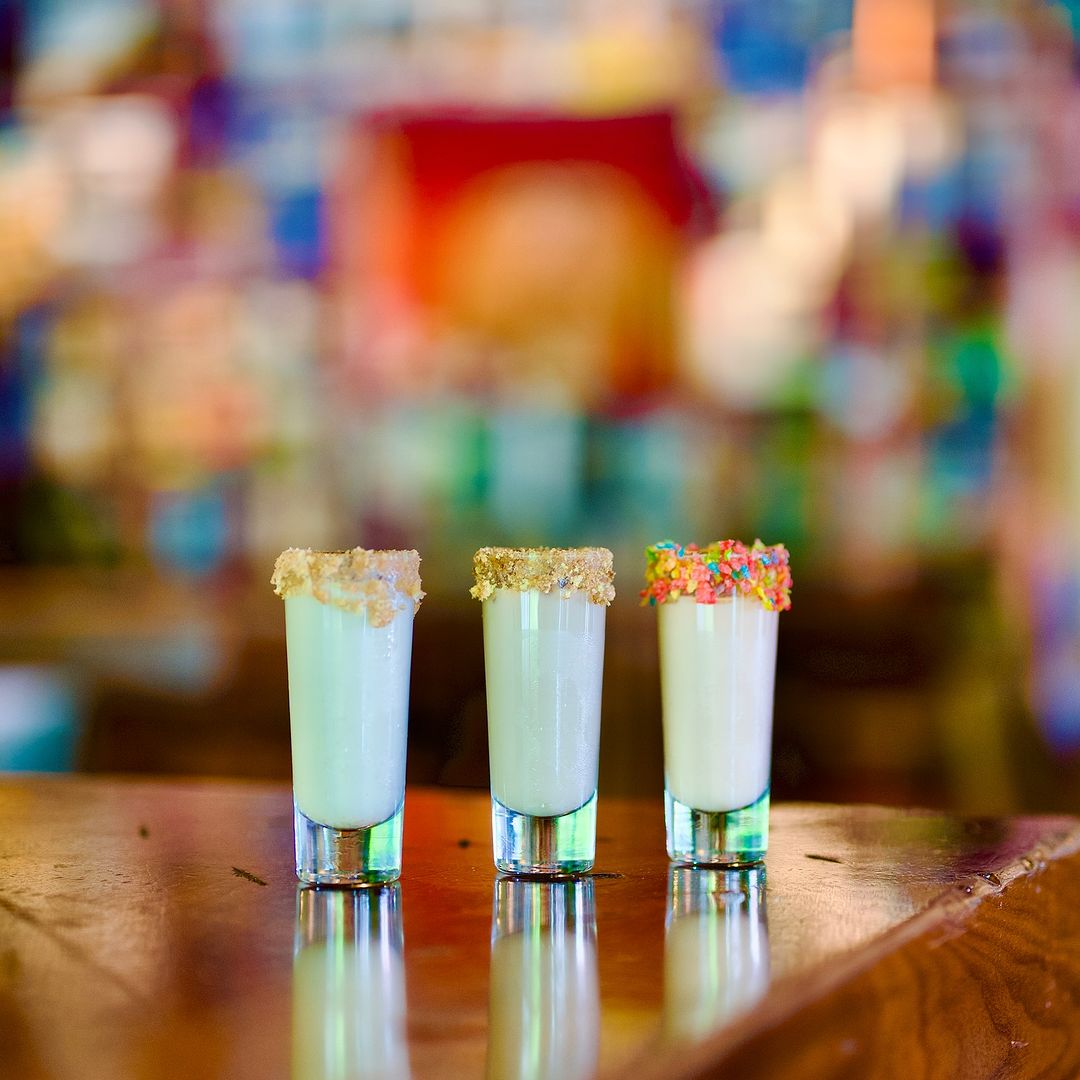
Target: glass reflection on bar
[[349, 985], [544, 1016], [716, 950]]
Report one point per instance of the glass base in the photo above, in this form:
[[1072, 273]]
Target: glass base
[[717, 838], [544, 845], [350, 857]]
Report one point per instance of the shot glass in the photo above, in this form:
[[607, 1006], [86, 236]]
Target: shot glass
[[348, 633], [544, 1016], [718, 610], [348, 986], [716, 947], [544, 612]]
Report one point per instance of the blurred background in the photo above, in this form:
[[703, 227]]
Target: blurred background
[[445, 273]]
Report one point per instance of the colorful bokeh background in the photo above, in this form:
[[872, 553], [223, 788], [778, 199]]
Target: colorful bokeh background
[[445, 273]]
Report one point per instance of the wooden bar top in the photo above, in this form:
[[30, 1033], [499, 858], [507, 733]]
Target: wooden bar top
[[155, 929]]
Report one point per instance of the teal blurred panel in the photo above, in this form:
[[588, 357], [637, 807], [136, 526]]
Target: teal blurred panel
[[39, 720], [537, 471]]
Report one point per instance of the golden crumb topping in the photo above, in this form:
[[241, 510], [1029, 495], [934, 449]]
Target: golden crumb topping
[[378, 583], [587, 570]]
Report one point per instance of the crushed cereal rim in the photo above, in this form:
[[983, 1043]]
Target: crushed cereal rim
[[566, 570], [723, 568], [379, 584]]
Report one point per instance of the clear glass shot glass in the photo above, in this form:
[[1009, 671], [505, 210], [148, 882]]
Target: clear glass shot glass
[[718, 610], [544, 1016], [544, 613], [348, 630], [716, 947], [348, 986], [717, 664]]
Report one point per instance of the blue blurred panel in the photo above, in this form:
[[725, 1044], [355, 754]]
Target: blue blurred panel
[[768, 48], [86, 26], [1056, 665], [537, 467], [20, 371], [959, 474], [828, 17], [277, 139], [961, 453], [268, 40], [189, 531], [249, 121], [14, 419], [643, 466], [990, 159], [1057, 698], [935, 201], [297, 227], [980, 47], [347, 18], [38, 720], [759, 56], [1055, 608]]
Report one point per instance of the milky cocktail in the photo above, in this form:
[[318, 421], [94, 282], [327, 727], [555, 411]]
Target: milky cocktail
[[718, 610], [544, 614], [348, 630]]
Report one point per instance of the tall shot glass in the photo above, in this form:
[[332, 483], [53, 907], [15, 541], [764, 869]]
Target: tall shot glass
[[718, 610], [348, 632], [544, 613]]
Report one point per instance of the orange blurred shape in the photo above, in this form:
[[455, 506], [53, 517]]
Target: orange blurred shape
[[893, 43], [513, 250]]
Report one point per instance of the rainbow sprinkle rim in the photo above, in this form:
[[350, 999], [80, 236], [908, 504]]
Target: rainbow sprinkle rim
[[722, 568]]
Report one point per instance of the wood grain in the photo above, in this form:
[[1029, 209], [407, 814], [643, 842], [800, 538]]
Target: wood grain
[[150, 929], [984, 983]]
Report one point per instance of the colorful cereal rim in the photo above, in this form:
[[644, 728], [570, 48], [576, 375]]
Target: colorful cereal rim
[[723, 568]]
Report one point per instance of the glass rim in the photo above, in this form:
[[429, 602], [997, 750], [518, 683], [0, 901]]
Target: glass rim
[[374, 582], [545, 569]]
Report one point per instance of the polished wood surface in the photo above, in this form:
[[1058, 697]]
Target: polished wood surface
[[151, 929]]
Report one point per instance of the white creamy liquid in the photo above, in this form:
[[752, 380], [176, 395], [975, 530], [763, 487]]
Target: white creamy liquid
[[717, 667], [349, 708], [544, 659]]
